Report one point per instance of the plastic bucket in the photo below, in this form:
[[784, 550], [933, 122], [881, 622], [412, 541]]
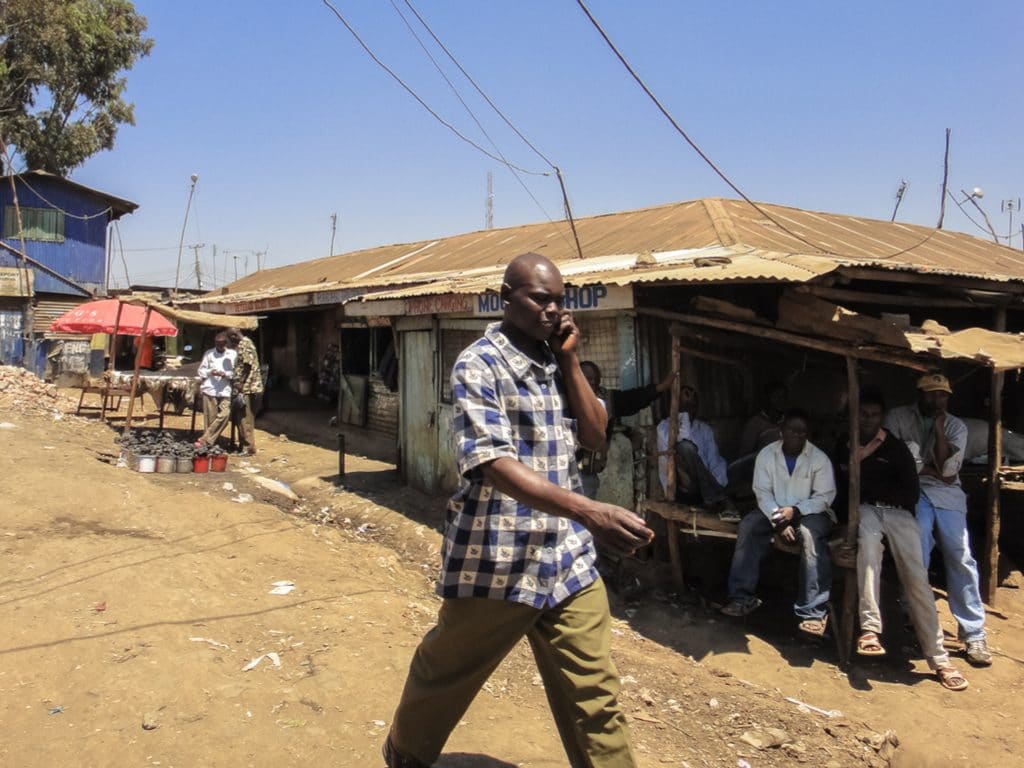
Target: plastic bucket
[[183, 464], [218, 463], [201, 464], [145, 463], [165, 465]]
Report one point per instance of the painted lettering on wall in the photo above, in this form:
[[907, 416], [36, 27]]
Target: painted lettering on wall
[[577, 298]]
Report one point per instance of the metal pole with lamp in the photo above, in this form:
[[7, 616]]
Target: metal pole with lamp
[[181, 241]]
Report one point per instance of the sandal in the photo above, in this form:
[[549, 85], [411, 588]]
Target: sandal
[[951, 678], [869, 645], [814, 627]]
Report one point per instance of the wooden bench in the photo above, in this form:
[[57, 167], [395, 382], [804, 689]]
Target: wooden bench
[[697, 521]]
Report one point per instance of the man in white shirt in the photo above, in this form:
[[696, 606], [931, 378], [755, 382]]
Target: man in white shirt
[[215, 372], [794, 485], [700, 469], [938, 441]]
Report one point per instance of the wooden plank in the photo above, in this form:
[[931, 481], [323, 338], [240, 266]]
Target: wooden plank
[[995, 459], [890, 356], [844, 632], [689, 515], [1011, 485]]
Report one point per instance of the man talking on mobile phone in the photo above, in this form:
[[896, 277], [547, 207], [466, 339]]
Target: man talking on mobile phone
[[518, 550]]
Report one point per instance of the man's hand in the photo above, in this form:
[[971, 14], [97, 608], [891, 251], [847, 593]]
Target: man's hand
[[565, 338], [618, 529], [788, 534], [666, 384]]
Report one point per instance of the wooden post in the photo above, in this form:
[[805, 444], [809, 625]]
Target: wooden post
[[990, 576], [138, 366], [670, 475], [112, 344], [844, 632]]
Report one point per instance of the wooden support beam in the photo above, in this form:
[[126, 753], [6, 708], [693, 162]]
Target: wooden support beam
[[844, 632], [887, 299], [138, 367], [927, 278], [879, 354], [670, 475], [990, 581]]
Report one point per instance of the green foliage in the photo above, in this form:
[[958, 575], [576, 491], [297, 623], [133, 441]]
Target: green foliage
[[61, 83]]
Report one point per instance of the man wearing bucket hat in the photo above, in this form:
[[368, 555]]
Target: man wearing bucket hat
[[938, 440]]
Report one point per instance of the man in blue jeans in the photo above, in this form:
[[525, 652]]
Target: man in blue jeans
[[794, 485], [937, 439]]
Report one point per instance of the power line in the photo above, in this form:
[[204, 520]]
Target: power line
[[56, 207], [479, 90], [708, 160], [416, 96], [462, 101]]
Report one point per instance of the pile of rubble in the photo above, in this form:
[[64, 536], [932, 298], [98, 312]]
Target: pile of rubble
[[22, 392]]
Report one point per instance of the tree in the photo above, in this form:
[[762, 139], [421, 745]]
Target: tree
[[61, 83]]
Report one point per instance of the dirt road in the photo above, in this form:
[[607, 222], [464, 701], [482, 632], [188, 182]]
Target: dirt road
[[133, 604]]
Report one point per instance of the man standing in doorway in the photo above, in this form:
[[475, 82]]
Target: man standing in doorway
[[937, 439], [248, 383], [518, 551]]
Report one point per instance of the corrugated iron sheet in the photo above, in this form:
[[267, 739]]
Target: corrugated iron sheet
[[655, 235]]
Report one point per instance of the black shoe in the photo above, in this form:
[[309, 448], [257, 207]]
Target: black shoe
[[395, 759]]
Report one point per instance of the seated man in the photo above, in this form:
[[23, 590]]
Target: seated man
[[700, 468], [889, 492], [617, 402], [794, 485]]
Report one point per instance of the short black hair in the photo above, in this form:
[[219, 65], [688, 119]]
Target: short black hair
[[591, 364], [872, 396], [792, 414]]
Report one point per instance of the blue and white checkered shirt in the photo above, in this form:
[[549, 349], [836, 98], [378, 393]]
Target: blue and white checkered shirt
[[507, 405]]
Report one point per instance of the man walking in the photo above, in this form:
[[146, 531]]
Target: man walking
[[248, 383], [518, 552], [937, 440], [215, 373], [889, 487]]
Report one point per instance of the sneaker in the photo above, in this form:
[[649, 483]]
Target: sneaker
[[727, 512], [741, 606], [978, 653]]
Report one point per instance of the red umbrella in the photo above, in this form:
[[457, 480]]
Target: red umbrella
[[103, 317]]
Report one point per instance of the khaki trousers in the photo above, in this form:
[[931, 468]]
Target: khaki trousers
[[246, 422], [900, 528], [216, 414], [571, 644]]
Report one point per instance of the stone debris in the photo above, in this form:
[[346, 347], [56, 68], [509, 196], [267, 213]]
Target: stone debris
[[22, 391]]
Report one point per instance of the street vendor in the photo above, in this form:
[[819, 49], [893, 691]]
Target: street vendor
[[215, 373]]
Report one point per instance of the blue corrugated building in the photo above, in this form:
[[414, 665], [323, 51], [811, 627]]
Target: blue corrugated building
[[64, 226]]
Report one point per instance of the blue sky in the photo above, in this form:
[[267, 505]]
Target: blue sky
[[818, 105]]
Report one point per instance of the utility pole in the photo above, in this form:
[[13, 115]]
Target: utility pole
[[184, 223], [489, 203], [199, 278], [334, 228], [213, 267], [1009, 206], [900, 191], [259, 260]]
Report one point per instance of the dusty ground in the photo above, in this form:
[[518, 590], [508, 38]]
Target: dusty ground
[[132, 604]]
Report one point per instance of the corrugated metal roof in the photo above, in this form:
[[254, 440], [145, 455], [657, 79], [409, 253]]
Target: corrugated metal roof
[[665, 242]]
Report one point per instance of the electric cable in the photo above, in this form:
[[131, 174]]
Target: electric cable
[[54, 206], [462, 101], [708, 160], [558, 172], [416, 96]]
